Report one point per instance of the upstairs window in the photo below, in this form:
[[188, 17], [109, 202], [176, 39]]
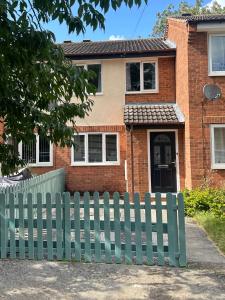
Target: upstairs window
[[37, 152], [97, 80], [218, 146], [141, 77], [217, 54], [95, 149]]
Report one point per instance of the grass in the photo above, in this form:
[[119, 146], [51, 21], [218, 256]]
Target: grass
[[214, 226]]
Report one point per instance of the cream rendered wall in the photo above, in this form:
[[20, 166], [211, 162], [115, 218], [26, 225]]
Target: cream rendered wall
[[108, 106]]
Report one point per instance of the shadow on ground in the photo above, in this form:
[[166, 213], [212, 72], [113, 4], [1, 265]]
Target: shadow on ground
[[61, 280]]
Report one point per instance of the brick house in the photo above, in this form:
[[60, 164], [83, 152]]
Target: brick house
[[151, 128]]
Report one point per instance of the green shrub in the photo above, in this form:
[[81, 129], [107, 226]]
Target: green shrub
[[205, 199]]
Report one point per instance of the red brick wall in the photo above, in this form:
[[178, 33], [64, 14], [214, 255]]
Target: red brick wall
[[192, 75], [167, 85], [91, 178]]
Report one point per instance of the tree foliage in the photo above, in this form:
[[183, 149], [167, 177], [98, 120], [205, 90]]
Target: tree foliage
[[184, 7], [36, 81]]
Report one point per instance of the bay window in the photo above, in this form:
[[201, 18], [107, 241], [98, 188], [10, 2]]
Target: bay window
[[38, 152], [218, 146], [95, 149], [141, 76], [217, 54]]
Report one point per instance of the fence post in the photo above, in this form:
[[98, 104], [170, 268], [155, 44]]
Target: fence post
[[181, 231]]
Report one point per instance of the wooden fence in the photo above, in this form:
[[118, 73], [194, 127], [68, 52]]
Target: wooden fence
[[112, 230], [50, 182]]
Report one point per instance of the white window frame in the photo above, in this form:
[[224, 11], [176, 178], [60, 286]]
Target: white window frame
[[104, 162], [142, 90], [210, 71], [38, 164], [85, 65], [213, 164]]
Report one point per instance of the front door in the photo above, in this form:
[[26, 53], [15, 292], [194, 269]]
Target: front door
[[163, 162]]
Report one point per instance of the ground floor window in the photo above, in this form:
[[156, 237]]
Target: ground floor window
[[38, 152], [218, 146], [95, 149]]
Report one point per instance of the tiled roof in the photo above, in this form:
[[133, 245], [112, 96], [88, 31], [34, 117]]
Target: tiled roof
[[142, 114], [201, 18], [122, 48]]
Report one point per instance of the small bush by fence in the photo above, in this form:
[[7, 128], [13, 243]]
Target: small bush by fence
[[58, 226], [205, 200]]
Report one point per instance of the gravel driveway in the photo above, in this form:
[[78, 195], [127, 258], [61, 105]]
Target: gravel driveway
[[50, 280]]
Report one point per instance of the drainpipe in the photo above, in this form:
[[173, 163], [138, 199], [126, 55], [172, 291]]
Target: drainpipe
[[132, 160]]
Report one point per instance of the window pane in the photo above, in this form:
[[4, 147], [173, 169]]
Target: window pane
[[29, 152], [44, 149], [133, 77], [96, 81], [79, 154], [218, 53], [149, 76], [219, 145], [111, 147], [95, 148]]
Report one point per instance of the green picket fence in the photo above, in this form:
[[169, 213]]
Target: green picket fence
[[50, 182], [111, 230]]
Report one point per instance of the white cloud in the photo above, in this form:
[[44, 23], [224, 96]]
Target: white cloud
[[116, 37], [221, 2]]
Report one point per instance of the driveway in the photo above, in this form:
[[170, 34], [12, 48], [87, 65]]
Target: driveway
[[203, 279]]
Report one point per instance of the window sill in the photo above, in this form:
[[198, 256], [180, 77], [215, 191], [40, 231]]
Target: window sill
[[218, 167], [95, 164], [40, 165], [214, 74], [142, 92], [97, 94]]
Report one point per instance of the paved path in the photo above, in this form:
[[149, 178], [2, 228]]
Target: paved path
[[199, 248], [204, 279]]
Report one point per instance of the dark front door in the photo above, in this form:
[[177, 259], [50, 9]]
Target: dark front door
[[163, 162]]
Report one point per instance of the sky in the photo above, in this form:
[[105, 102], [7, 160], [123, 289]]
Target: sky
[[125, 23]]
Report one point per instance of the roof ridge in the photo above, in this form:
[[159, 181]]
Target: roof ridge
[[115, 41]]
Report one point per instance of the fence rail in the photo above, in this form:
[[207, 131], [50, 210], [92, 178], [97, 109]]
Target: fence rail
[[50, 182], [60, 226]]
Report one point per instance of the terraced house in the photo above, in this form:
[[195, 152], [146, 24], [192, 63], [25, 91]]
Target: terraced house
[[151, 127]]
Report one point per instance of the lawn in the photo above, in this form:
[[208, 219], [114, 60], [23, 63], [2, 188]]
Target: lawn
[[214, 226]]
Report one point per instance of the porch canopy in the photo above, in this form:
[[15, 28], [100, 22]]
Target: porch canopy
[[153, 114]]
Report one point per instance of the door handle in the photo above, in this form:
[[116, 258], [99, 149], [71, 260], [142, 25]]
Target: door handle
[[163, 166]]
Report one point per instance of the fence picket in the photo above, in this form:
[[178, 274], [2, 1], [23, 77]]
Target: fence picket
[[67, 229], [21, 227], [116, 199], [138, 231], [108, 257], [77, 226], [181, 222], [148, 229], [30, 226], [127, 229], [49, 225], [39, 227], [12, 225], [159, 226], [97, 228], [87, 236], [3, 225], [59, 233], [171, 233]]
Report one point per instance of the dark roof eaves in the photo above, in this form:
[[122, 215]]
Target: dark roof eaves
[[165, 52]]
